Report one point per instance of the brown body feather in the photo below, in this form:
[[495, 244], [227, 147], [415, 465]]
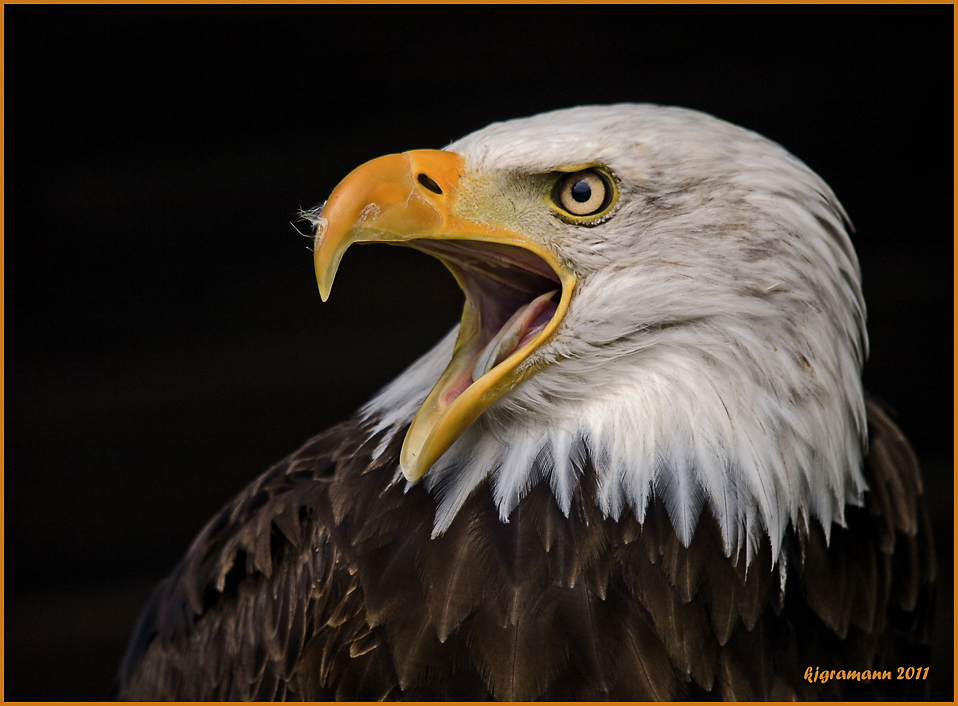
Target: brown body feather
[[320, 581]]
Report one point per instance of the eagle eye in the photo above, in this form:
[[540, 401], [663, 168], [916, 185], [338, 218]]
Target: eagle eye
[[584, 193]]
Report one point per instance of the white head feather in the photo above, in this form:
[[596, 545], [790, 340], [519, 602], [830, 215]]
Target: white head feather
[[712, 351]]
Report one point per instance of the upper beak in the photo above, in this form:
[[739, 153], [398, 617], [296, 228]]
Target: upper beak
[[412, 199]]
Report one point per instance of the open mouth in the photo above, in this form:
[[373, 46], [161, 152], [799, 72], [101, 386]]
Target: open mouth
[[517, 289], [511, 296]]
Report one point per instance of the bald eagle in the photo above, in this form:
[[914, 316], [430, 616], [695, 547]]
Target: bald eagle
[[641, 467]]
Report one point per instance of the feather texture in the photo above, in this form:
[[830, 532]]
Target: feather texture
[[360, 603]]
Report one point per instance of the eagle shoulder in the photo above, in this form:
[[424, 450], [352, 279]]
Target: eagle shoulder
[[322, 580], [257, 584]]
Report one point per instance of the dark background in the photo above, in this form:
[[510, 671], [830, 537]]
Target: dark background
[[165, 341]]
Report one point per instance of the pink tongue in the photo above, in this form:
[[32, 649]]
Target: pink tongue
[[524, 325]]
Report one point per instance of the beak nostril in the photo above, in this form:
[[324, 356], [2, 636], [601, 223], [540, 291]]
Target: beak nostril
[[429, 184]]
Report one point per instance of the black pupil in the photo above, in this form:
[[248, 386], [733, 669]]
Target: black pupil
[[581, 191]]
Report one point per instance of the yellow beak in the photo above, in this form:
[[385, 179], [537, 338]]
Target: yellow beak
[[511, 284]]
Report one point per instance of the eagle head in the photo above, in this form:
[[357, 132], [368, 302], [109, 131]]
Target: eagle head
[[652, 295]]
